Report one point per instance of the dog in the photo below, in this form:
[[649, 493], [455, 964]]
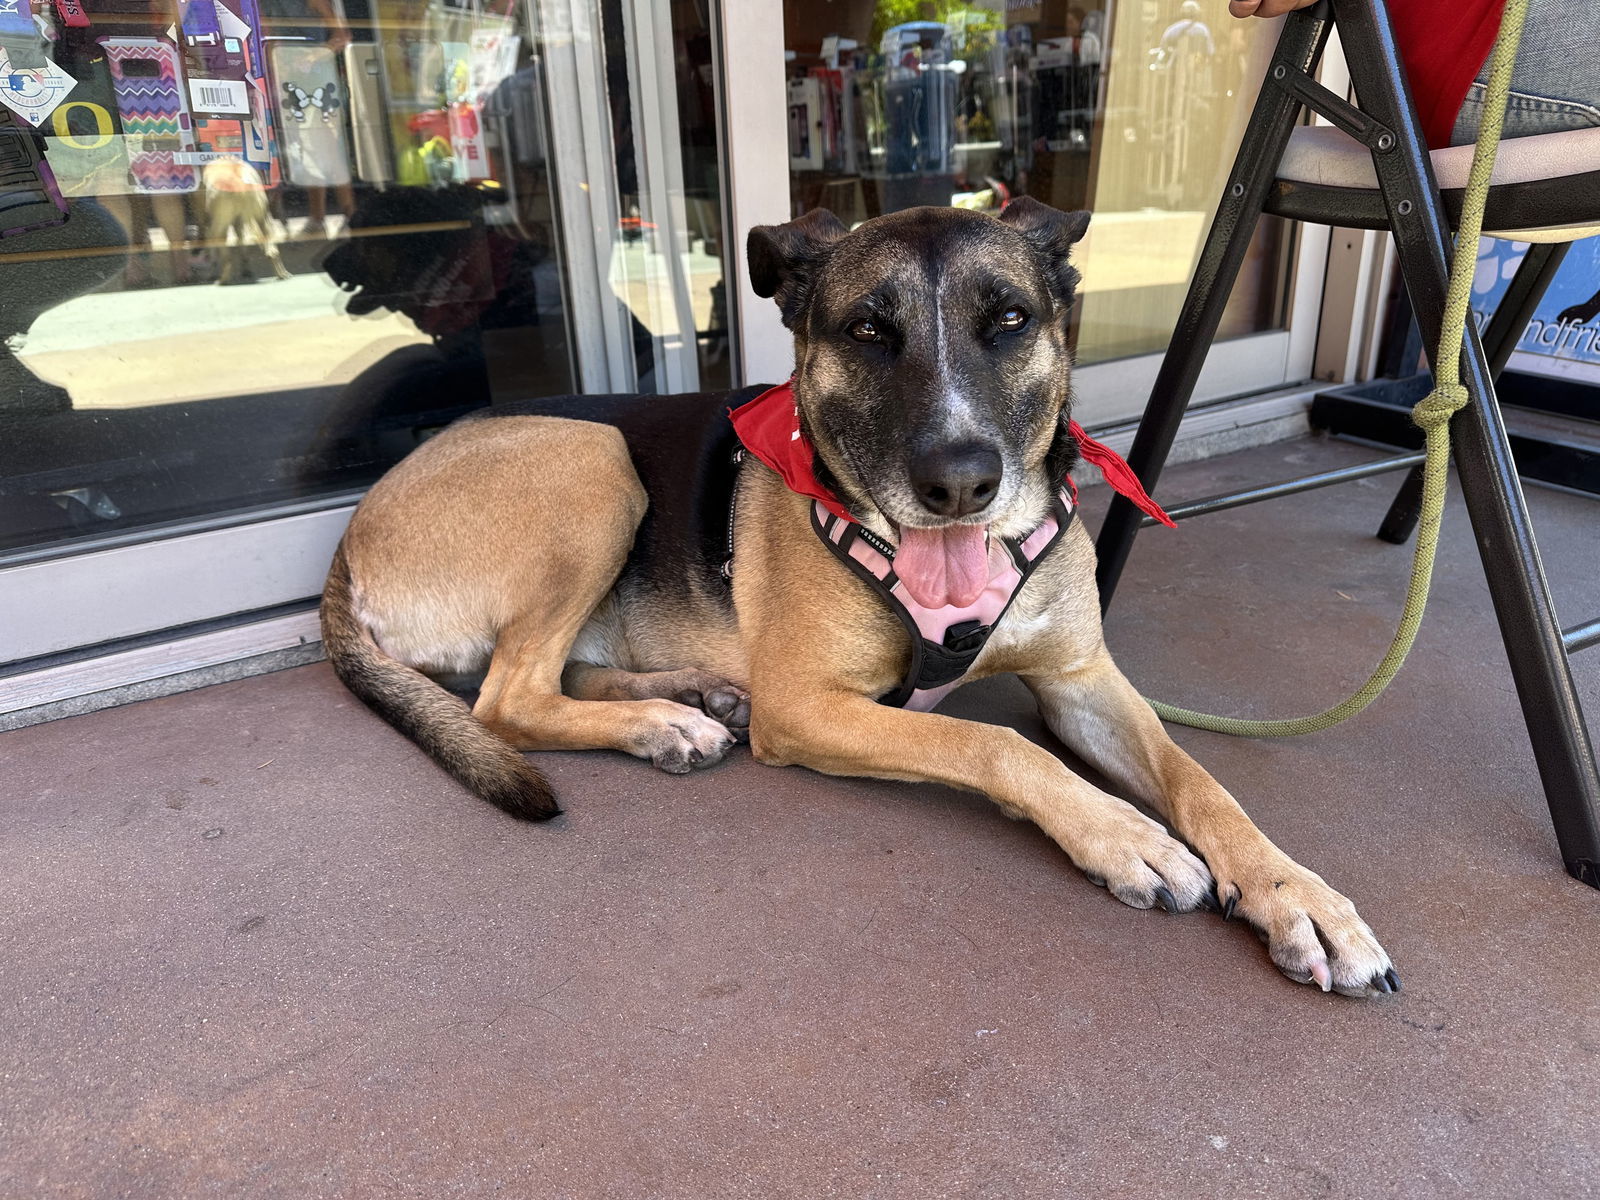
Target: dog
[[236, 201], [575, 555]]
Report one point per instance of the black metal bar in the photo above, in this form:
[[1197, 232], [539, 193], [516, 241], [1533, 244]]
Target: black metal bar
[[1289, 487], [1506, 544], [1330, 104], [1265, 137], [1581, 637], [1542, 457], [1405, 510]]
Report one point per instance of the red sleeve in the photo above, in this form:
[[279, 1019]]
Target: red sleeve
[[1444, 44]]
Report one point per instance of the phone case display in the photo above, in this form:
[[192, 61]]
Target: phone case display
[[1066, 74], [805, 125], [464, 124], [22, 41], [160, 135], [919, 99], [412, 73], [215, 61], [29, 198], [363, 72], [234, 116], [311, 103], [437, 77], [84, 141]]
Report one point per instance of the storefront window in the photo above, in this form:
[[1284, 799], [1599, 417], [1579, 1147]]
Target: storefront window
[[255, 250], [1131, 108]]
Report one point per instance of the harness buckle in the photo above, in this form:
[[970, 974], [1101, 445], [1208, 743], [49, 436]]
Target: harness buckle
[[965, 636]]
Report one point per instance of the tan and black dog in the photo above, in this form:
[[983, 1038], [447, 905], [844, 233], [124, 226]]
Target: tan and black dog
[[573, 549]]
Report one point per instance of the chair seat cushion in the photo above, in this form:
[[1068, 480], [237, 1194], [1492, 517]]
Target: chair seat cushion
[[1329, 157], [1544, 188]]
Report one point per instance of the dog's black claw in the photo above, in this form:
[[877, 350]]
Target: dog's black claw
[[1209, 901], [1380, 983], [696, 755], [1097, 880], [1229, 906], [1392, 979], [1166, 899]]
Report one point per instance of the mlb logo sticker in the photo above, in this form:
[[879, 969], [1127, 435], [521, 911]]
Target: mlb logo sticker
[[33, 93]]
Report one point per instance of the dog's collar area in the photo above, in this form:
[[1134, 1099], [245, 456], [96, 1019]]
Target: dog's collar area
[[769, 428], [945, 642]]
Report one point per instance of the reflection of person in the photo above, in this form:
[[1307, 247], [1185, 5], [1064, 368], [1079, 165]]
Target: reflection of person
[[1446, 50], [1188, 34], [1085, 41]]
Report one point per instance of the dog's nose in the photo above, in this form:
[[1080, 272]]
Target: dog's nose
[[956, 481]]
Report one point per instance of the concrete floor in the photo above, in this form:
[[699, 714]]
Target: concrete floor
[[253, 944]]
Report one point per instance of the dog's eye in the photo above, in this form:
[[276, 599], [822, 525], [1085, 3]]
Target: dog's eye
[[865, 331], [1012, 320]]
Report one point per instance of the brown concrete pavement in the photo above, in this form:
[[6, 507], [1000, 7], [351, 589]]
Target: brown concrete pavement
[[253, 944]]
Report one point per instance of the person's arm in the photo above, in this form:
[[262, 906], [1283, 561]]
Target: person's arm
[[1266, 8]]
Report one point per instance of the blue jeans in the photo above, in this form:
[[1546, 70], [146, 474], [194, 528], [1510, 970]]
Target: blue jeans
[[1556, 83]]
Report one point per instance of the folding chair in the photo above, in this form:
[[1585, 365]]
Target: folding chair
[[1372, 170]]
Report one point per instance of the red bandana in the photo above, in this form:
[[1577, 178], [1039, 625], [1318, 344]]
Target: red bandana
[[769, 427]]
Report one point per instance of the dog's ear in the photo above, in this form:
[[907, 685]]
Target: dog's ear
[[1052, 234], [784, 258]]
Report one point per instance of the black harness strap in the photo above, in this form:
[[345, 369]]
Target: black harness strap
[[933, 664]]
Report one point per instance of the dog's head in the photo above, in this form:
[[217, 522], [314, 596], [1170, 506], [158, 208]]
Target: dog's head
[[931, 366]]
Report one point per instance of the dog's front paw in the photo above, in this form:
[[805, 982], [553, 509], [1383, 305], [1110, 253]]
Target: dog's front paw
[[1312, 932], [685, 739], [1143, 865]]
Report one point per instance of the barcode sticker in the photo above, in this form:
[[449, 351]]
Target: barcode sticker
[[219, 96]]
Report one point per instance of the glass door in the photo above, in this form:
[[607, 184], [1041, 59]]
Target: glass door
[[1131, 108], [254, 251]]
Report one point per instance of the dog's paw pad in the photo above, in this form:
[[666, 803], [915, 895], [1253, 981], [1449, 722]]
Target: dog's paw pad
[[719, 699]]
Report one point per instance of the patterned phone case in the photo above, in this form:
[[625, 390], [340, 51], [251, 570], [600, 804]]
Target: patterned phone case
[[149, 87]]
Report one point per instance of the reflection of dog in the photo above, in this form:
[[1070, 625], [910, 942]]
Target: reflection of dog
[[582, 563], [236, 200]]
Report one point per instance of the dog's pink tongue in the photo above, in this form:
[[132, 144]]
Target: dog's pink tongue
[[943, 566]]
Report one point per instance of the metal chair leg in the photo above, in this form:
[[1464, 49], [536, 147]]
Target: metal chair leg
[[1484, 463], [1511, 316], [1300, 46]]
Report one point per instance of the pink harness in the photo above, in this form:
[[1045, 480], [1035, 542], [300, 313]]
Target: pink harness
[[944, 641]]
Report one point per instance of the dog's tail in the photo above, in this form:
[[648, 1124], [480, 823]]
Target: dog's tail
[[425, 712]]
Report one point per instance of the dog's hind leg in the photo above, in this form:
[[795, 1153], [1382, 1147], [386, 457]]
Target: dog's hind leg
[[218, 223], [523, 703], [710, 693], [269, 243]]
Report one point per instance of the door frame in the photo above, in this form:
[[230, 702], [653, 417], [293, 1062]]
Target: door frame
[[757, 182]]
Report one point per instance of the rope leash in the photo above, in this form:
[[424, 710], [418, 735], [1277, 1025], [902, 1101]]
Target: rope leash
[[1432, 414]]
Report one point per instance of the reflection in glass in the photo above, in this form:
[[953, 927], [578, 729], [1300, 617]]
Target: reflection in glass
[[1133, 109], [253, 251]]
